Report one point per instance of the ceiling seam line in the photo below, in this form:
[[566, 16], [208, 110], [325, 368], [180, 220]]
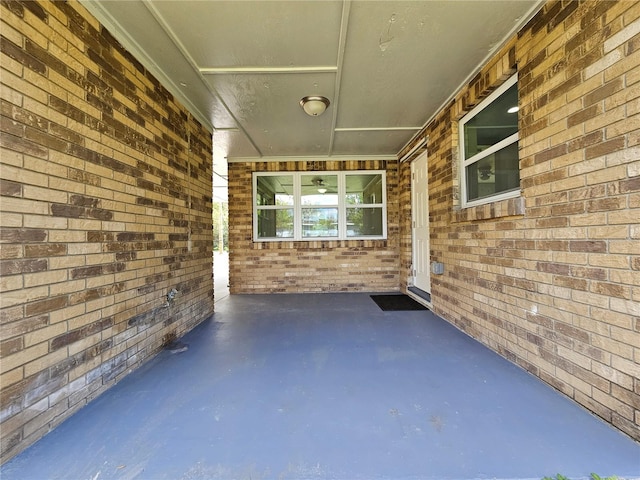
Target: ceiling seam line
[[375, 129], [265, 70], [346, 10]]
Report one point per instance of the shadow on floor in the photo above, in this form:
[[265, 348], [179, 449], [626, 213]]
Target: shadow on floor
[[328, 386]]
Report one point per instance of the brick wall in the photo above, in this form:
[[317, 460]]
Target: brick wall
[[106, 206], [551, 280], [309, 266]]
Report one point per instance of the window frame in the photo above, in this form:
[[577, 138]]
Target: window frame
[[464, 162], [343, 206]]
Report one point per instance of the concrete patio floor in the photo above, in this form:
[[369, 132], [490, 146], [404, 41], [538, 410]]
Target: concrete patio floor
[[327, 386]]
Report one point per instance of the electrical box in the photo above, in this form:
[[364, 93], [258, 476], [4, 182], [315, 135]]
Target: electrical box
[[437, 268]]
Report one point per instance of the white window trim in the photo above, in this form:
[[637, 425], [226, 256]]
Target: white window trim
[[479, 156], [297, 206]]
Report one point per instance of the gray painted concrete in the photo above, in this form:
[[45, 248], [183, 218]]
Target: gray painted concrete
[[328, 386]]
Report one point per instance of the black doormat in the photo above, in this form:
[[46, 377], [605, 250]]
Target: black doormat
[[390, 303]]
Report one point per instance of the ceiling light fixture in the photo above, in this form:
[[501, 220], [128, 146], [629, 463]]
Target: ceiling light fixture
[[319, 183], [314, 105], [513, 110]]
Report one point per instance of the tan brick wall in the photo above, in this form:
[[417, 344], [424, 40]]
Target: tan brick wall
[[315, 266], [105, 206], [551, 280]]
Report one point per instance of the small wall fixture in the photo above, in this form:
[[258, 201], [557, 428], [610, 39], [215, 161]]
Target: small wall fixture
[[437, 268], [314, 105], [485, 172]]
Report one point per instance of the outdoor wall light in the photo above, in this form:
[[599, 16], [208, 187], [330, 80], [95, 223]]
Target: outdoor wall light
[[314, 105]]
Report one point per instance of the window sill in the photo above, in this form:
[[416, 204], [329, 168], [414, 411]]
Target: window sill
[[318, 244], [511, 207]]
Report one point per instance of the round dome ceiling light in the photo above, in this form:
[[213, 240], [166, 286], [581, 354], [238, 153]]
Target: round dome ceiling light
[[314, 105]]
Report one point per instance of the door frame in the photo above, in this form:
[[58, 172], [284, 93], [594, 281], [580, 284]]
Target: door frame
[[420, 292]]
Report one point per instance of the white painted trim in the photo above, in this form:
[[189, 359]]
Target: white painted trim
[[413, 150], [337, 158], [493, 198], [424, 155], [464, 162], [297, 206], [505, 142], [374, 129]]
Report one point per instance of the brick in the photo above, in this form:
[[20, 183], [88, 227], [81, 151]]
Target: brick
[[78, 334], [22, 356], [553, 222], [597, 246], [606, 91], [625, 306], [22, 145], [12, 267], [550, 154], [45, 306], [45, 250], [630, 185], [85, 272], [587, 140], [10, 251], [611, 290], [605, 148], [621, 37], [17, 53], [584, 115], [11, 346], [605, 204], [18, 235], [10, 189], [603, 63], [572, 283]]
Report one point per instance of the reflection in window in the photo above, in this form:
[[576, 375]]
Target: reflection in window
[[275, 190], [363, 222], [364, 204], [494, 174], [274, 201], [319, 189], [319, 222], [489, 146], [319, 205]]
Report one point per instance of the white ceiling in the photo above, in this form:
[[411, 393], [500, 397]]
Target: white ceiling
[[241, 67]]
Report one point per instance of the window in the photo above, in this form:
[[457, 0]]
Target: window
[[319, 206], [489, 148]]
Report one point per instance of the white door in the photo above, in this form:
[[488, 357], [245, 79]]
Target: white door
[[420, 223]]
